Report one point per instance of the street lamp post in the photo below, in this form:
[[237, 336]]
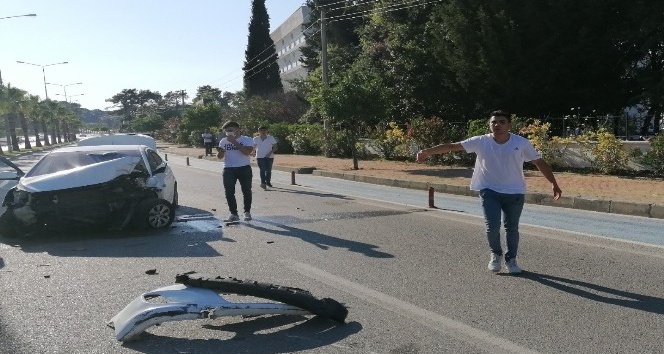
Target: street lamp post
[[70, 96], [64, 87], [43, 71]]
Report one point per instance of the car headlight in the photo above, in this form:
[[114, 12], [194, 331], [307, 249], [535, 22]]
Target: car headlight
[[21, 197]]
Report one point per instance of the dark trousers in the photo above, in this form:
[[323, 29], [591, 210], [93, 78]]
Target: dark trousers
[[265, 169], [208, 148], [230, 176]]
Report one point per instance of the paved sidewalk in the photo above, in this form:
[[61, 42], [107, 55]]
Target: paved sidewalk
[[610, 194]]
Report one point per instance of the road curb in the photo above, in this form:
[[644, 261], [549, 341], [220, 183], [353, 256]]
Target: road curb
[[598, 205]]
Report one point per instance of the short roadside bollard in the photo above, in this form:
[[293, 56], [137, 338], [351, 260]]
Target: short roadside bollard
[[187, 160], [431, 203], [166, 157], [292, 178]]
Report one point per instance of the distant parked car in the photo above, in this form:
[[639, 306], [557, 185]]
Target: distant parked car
[[90, 187]]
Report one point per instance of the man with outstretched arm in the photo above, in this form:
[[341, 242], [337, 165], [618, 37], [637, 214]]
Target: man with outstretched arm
[[498, 176]]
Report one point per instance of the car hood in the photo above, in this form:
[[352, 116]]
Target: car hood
[[80, 176]]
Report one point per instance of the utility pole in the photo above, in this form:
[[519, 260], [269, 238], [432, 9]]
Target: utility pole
[[323, 44], [182, 94], [323, 63]]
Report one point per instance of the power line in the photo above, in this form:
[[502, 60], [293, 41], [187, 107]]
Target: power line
[[346, 2], [388, 8], [346, 6], [264, 60]]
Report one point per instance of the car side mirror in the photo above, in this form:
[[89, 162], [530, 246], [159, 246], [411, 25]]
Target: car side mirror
[[160, 169]]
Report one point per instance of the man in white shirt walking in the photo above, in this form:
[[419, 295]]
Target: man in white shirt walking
[[498, 176], [207, 141], [266, 146], [235, 149]]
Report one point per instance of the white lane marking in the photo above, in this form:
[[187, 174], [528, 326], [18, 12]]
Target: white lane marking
[[459, 330]]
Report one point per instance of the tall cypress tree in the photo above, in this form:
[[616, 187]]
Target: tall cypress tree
[[261, 71]]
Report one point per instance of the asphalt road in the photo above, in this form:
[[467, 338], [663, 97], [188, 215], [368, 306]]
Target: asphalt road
[[414, 278]]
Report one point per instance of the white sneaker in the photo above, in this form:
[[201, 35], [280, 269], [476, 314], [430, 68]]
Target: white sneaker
[[232, 218], [247, 216], [495, 262], [512, 267]]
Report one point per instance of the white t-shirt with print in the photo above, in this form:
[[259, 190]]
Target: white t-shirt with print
[[234, 157], [499, 167], [264, 147]]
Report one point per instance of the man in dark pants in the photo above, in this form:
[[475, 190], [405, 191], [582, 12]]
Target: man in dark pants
[[208, 141], [498, 176], [235, 149]]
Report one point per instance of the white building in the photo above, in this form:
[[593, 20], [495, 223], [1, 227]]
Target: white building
[[288, 38]]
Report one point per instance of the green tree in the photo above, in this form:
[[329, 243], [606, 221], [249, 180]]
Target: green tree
[[13, 97], [208, 95], [341, 27], [198, 118], [261, 71], [128, 101]]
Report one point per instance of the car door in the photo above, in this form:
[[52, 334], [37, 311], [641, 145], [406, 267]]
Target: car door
[[162, 174]]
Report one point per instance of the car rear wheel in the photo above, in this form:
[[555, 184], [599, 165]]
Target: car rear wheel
[[154, 213]]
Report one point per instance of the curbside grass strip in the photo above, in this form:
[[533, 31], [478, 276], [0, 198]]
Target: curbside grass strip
[[604, 206]]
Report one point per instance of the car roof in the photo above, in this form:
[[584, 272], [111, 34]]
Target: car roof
[[101, 148], [119, 139]]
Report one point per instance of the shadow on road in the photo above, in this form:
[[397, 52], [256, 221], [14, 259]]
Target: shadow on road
[[320, 240], [309, 193], [589, 291], [182, 239], [250, 337]]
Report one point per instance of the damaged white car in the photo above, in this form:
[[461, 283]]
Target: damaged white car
[[90, 187]]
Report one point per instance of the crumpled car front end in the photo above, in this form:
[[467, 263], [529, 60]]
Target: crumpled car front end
[[100, 194]]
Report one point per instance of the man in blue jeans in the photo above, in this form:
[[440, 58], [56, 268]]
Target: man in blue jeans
[[266, 146], [235, 149], [498, 176]]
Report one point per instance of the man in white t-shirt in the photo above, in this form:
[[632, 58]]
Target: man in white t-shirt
[[235, 149], [266, 146], [498, 176], [207, 141]]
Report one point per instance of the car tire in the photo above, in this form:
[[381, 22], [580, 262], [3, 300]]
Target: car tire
[[154, 213]]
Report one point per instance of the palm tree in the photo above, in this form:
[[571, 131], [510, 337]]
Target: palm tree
[[23, 107], [34, 109], [44, 116], [15, 97], [4, 107]]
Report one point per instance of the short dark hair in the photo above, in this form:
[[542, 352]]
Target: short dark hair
[[501, 113], [262, 127], [230, 124]]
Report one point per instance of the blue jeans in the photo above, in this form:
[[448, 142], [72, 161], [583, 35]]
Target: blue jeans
[[494, 205], [265, 169], [230, 176]]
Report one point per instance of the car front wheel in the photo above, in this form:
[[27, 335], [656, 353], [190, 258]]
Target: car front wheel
[[154, 213]]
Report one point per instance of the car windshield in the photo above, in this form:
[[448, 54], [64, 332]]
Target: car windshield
[[60, 161]]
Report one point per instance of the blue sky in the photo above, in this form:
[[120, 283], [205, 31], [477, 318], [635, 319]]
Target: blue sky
[[159, 45]]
